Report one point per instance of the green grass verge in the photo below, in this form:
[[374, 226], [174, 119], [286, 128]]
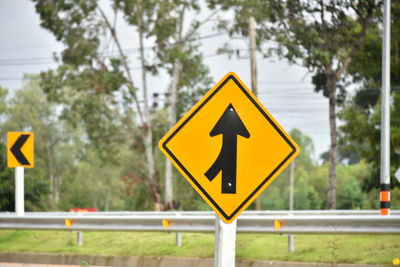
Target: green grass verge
[[374, 249]]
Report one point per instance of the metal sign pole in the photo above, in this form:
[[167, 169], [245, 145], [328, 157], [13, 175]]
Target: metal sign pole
[[385, 117], [291, 203], [19, 191], [225, 241]]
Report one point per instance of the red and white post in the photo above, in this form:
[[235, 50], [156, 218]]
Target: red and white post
[[385, 117]]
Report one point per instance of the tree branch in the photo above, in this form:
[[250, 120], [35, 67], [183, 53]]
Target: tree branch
[[366, 22], [193, 31], [124, 62]]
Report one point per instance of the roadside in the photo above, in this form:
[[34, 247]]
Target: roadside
[[9, 264], [140, 261], [332, 249]]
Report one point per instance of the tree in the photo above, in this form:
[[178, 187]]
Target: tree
[[362, 113], [361, 132], [100, 90], [7, 189], [308, 193], [323, 36], [26, 111], [91, 83], [174, 51], [29, 110]]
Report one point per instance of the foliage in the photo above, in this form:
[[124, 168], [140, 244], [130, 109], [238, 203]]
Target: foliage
[[362, 133], [323, 36], [7, 188], [350, 196], [90, 149], [362, 114], [88, 180], [310, 183], [94, 184], [28, 110], [99, 93]]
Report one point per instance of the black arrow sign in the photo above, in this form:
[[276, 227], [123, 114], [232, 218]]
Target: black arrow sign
[[16, 149], [230, 126]]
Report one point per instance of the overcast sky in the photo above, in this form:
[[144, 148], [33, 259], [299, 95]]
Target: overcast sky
[[284, 89]]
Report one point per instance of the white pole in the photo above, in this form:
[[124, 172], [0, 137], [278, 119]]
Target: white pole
[[178, 239], [79, 238], [385, 117], [19, 191], [225, 239], [291, 204], [291, 185]]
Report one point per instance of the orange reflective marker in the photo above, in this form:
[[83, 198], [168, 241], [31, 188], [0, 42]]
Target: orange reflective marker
[[229, 147], [20, 149]]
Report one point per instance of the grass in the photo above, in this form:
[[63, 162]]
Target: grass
[[373, 249]]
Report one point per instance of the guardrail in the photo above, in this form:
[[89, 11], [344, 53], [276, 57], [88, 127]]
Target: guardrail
[[278, 222], [247, 212]]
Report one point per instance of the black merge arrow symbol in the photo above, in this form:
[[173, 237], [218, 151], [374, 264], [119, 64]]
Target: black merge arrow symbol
[[16, 149], [230, 126]]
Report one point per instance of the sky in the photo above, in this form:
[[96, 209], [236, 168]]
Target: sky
[[284, 89]]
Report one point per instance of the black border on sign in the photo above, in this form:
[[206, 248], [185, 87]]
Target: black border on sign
[[164, 145]]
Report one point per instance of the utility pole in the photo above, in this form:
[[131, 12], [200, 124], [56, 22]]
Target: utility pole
[[253, 71], [385, 117], [253, 54]]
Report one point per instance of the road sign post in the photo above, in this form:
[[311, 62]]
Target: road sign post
[[225, 243], [19, 156], [385, 113], [19, 191], [229, 148]]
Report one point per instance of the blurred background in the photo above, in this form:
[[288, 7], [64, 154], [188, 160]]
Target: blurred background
[[100, 82]]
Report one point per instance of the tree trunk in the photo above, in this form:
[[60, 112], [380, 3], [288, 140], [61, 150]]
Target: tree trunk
[[148, 133], [176, 74], [331, 86], [172, 120], [291, 184], [144, 117], [51, 173], [57, 189], [169, 195]]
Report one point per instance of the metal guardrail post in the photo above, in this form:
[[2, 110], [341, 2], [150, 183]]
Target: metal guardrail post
[[178, 236], [79, 238], [178, 239], [291, 243]]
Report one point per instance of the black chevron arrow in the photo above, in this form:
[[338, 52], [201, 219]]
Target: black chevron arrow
[[16, 149], [230, 126]]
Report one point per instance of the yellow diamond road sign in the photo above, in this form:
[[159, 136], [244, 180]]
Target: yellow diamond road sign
[[20, 149], [229, 147]]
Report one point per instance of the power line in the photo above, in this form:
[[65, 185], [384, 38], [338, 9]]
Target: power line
[[27, 47], [283, 82], [110, 53], [26, 59], [28, 63]]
